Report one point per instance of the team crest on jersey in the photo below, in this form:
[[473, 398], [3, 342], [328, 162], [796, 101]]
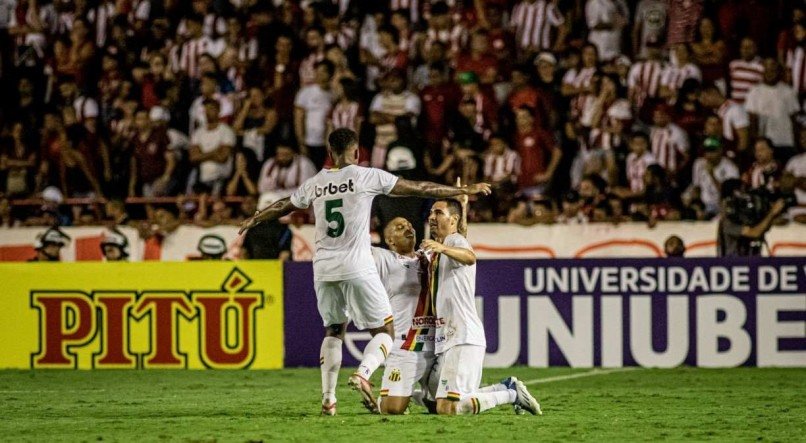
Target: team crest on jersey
[[395, 375]]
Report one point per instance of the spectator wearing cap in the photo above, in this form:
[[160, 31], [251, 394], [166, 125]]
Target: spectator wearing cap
[[486, 105], [49, 244], [735, 121], [649, 24], [670, 145], [115, 246], [746, 71], [539, 153], [478, 59], [772, 106], [708, 174], [393, 101], [534, 23], [208, 88], [311, 109], [211, 150], [152, 163], [212, 247], [160, 117], [285, 172], [606, 19]]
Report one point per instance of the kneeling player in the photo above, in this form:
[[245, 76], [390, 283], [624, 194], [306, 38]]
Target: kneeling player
[[404, 273], [459, 339]]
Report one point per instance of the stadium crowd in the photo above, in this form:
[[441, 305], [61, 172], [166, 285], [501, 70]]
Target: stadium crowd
[[575, 110]]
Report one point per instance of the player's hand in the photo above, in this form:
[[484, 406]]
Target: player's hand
[[478, 188], [432, 246], [248, 224]]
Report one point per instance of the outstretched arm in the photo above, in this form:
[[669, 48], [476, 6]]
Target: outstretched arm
[[425, 189], [463, 200], [276, 210]]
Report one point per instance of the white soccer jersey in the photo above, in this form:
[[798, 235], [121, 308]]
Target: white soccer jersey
[[453, 288], [407, 283], [342, 201]]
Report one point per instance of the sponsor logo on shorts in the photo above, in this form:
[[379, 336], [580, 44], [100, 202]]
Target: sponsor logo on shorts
[[394, 375]]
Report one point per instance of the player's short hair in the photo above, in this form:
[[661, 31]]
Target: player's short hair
[[341, 139], [454, 207]]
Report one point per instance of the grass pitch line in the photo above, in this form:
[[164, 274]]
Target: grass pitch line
[[590, 373]]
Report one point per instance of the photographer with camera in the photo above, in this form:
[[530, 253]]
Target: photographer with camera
[[745, 218]]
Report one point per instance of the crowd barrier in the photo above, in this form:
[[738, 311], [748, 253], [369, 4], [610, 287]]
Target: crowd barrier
[[490, 241], [262, 314]]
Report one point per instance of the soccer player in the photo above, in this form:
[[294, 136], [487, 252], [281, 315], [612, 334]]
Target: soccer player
[[345, 278], [404, 273], [459, 340]]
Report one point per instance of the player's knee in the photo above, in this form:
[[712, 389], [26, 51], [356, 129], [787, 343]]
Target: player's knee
[[392, 409], [388, 328], [335, 330]]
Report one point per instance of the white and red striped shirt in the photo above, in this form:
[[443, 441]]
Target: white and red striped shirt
[[284, 180], [101, 16], [343, 38], [454, 39], [346, 115], [578, 79], [733, 117], [607, 140], [188, 55], [668, 145], [674, 76], [644, 81], [636, 168], [413, 7], [743, 76], [763, 176], [533, 23], [796, 63], [501, 167]]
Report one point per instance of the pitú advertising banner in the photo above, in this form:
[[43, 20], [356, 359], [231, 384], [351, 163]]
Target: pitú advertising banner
[[196, 315], [611, 313]]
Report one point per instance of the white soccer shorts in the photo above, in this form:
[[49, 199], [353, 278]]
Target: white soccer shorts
[[403, 370], [459, 371], [362, 300]]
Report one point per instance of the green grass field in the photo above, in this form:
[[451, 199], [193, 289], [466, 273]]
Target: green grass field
[[683, 404]]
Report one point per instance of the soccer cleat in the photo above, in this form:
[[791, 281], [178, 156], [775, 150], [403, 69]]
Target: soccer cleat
[[510, 382], [329, 409], [361, 385], [525, 400]]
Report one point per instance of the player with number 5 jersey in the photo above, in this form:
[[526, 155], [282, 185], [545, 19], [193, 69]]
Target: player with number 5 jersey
[[346, 281]]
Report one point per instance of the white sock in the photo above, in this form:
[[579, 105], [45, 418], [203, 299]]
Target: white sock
[[417, 396], [374, 354], [330, 361], [482, 401], [498, 387]]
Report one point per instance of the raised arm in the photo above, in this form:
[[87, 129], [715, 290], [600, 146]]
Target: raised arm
[[409, 188], [273, 212]]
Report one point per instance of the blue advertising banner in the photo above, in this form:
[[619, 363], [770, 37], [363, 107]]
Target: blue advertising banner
[[610, 312]]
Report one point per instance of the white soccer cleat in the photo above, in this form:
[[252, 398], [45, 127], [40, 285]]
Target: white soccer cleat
[[361, 385], [329, 409], [525, 400]]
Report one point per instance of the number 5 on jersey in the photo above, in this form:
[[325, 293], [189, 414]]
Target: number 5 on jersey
[[332, 215]]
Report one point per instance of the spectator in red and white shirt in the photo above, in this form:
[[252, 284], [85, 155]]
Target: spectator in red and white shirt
[[644, 79], [539, 153], [315, 41], [745, 72], [577, 83], [502, 165], [197, 44], [285, 172], [765, 172], [533, 22], [479, 59], [638, 160], [336, 32], [796, 61], [677, 72], [735, 121], [347, 112], [670, 145], [441, 29]]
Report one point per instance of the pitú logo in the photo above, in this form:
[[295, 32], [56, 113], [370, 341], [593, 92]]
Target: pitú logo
[[225, 321]]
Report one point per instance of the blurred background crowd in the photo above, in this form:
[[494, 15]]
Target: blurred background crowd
[[194, 111]]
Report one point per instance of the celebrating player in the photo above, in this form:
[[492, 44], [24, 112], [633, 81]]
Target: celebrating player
[[404, 273], [459, 339], [346, 281]]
